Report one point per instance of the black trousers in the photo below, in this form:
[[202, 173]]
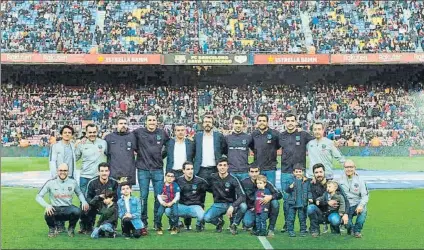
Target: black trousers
[[128, 227], [68, 213], [88, 218]]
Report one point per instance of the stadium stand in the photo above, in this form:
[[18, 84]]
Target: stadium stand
[[111, 27]]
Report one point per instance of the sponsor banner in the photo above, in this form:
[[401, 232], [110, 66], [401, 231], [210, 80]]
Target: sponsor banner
[[200, 59], [379, 58], [296, 59], [128, 59]]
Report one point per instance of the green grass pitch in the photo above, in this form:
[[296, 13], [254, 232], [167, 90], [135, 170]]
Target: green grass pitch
[[394, 221]]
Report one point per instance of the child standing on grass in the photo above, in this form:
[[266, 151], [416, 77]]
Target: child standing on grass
[[108, 217], [261, 209], [299, 194]]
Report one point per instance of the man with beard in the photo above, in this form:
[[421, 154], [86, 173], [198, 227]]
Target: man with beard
[[237, 145], [95, 194], [249, 186], [293, 143], [322, 150], [121, 147], [209, 145], [265, 146], [318, 213], [151, 142]]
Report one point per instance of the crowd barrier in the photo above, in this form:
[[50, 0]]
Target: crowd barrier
[[394, 151]]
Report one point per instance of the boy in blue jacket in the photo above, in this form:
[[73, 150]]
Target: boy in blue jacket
[[130, 213], [299, 195]]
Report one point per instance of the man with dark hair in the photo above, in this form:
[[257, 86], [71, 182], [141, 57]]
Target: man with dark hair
[[95, 196], [92, 150], [317, 213], [179, 150], [237, 145], [265, 146], [249, 186], [209, 145], [229, 198], [151, 142], [322, 150], [121, 145], [61, 189], [293, 144], [192, 196], [63, 152]]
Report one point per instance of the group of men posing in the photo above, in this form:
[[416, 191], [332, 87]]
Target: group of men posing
[[210, 162]]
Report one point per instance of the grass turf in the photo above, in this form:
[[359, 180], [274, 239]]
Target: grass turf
[[15, 164], [394, 221]]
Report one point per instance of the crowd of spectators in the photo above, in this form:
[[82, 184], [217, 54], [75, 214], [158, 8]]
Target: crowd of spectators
[[387, 111], [103, 26]]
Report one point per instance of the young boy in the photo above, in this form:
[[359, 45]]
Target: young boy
[[130, 213], [299, 194], [261, 210], [168, 203], [334, 214], [108, 216]]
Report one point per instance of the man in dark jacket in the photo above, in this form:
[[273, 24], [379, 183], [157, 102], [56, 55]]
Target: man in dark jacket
[[151, 142]]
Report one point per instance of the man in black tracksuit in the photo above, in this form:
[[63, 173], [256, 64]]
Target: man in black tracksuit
[[121, 147], [151, 142], [293, 143], [318, 213], [95, 195], [265, 146], [249, 186], [237, 146], [228, 196], [192, 195]]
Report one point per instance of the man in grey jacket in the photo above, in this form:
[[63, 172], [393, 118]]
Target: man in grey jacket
[[63, 152], [357, 193], [60, 190]]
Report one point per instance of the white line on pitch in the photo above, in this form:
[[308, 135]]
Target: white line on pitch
[[265, 243]]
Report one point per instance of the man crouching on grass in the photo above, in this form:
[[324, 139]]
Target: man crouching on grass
[[61, 189]]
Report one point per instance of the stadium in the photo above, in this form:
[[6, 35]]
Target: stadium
[[355, 68]]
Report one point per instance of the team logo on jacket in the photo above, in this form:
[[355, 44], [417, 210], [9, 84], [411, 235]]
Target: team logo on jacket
[[244, 142], [227, 187], [158, 138], [323, 146], [69, 189], [129, 145], [297, 137], [356, 185], [269, 136], [194, 187]]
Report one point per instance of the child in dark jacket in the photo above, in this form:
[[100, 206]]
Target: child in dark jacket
[[299, 195], [108, 217], [261, 210]]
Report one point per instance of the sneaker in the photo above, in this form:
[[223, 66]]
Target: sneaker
[[284, 229], [71, 232], [315, 235], [199, 228], [60, 229], [342, 228], [292, 234], [188, 227], [233, 229], [271, 233], [112, 235], [82, 231], [159, 231], [143, 231], [325, 229], [127, 236], [52, 233], [303, 234], [219, 226], [358, 235], [174, 231]]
